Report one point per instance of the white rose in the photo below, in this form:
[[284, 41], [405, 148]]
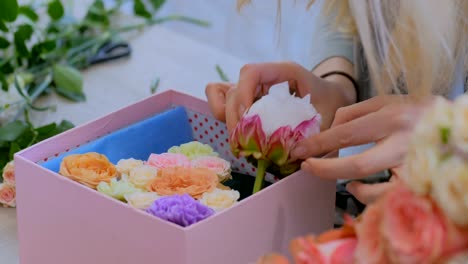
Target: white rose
[[450, 189], [141, 176], [280, 108], [141, 200], [460, 125], [124, 166], [219, 200], [459, 258], [422, 163]]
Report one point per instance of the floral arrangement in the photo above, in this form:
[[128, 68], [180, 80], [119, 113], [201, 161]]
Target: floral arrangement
[[183, 185], [423, 219], [8, 186], [266, 134]]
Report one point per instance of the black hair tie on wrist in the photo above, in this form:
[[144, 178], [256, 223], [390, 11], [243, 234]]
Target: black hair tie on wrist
[[349, 77]]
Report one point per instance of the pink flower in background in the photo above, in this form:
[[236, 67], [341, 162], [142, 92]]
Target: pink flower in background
[[339, 251], [168, 160], [7, 195], [413, 228], [370, 248], [272, 127], [9, 174]]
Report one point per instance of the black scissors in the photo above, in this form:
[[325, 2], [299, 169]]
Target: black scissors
[[111, 51]]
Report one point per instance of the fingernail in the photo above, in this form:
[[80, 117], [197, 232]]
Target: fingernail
[[305, 166], [241, 110], [299, 152]]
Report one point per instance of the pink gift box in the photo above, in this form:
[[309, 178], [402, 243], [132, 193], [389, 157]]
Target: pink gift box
[[61, 221]]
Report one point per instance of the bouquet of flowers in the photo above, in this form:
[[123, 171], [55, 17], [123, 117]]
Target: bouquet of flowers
[[424, 219], [183, 185]]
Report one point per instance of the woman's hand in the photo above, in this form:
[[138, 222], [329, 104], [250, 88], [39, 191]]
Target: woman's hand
[[228, 102], [386, 120]]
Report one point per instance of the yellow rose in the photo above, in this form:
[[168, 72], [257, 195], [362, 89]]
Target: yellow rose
[[219, 200], [141, 200], [450, 189], [89, 169], [460, 124], [141, 176], [124, 166]]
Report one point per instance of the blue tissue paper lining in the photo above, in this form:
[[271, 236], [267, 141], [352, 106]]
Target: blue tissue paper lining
[[153, 135]]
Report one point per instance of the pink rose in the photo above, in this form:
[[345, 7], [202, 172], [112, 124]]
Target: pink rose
[[339, 251], [413, 228], [370, 248], [168, 160], [7, 195], [9, 173], [218, 165]]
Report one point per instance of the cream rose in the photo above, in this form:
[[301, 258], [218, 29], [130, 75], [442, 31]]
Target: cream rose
[[141, 200], [437, 119], [460, 125], [450, 189], [124, 166], [422, 163], [219, 200], [143, 175]]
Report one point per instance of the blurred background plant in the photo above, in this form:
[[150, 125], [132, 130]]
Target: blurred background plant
[[43, 47]]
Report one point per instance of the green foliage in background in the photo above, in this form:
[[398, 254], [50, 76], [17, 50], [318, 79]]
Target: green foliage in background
[[43, 47]]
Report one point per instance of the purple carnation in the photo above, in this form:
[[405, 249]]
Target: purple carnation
[[180, 209]]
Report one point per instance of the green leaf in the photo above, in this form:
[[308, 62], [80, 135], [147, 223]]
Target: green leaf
[[140, 9], [157, 4], [3, 27], [55, 9], [445, 133], [12, 130], [3, 82], [52, 129], [4, 43], [28, 12], [8, 10], [68, 82], [23, 34], [154, 85], [13, 149], [97, 13], [221, 73]]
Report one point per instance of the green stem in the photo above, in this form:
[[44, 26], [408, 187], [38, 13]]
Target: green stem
[[259, 179]]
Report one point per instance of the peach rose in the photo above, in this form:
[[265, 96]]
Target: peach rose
[[273, 259], [7, 195], [89, 169], [308, 250], [168, 160], [181, 180], [9, 173], [370, 248], [413, 228]]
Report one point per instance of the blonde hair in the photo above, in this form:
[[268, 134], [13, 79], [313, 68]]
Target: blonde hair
[[416, 43]]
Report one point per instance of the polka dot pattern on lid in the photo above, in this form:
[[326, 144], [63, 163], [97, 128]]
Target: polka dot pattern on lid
[[209, 131]]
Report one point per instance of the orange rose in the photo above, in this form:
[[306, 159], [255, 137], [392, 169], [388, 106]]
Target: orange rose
[[181, 180], [89, 169]]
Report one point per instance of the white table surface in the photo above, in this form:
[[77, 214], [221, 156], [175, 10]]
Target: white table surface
[[181, 63]]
